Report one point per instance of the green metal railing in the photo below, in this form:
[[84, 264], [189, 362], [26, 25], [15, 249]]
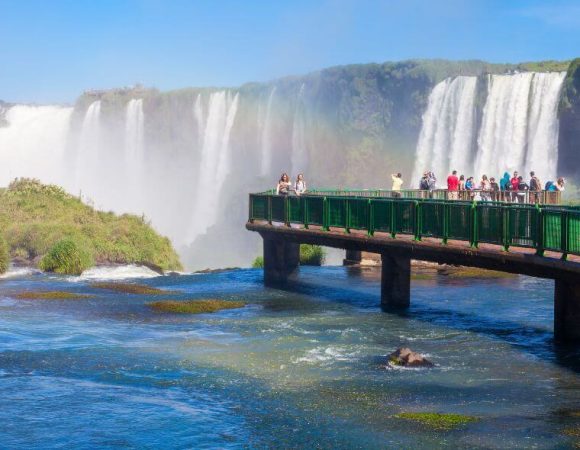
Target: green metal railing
[[553, 228]]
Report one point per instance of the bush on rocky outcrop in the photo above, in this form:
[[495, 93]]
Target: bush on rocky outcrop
[[67, 257]]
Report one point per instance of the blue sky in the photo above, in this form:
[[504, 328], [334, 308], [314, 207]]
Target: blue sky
[[52, 50]]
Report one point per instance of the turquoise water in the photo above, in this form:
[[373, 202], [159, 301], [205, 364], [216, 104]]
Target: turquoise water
[[301, 368]]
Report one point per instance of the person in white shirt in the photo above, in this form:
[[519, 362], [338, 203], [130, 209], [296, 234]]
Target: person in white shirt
[[397, 183], [300, 186]]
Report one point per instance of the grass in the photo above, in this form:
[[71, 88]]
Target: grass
[[194, 306], [258, 262], [438, 421], [50, 295], [4, 255], [34, 217], [128, 288]]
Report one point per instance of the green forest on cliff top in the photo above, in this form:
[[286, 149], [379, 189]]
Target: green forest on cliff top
[[38, 219]]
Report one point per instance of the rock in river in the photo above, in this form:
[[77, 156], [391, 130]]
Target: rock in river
[[408, 358]]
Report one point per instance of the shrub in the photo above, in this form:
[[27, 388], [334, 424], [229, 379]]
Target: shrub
[[4, 256], [67, 257], [258, 262], [312, 255]]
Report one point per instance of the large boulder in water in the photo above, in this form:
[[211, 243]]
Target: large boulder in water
[[408, 358]]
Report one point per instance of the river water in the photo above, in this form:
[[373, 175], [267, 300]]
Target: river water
[[301, 368]]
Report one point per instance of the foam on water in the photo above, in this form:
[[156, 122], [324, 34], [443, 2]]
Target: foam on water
[[116, 273]]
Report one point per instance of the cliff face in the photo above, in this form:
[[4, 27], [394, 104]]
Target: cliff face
[[569, 138]]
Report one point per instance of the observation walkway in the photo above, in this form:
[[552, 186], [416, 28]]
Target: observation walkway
[[532, 239]]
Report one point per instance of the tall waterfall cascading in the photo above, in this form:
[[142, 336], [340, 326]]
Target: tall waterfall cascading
[[448, 128], [542, 152], [299, 158], [518, 130], [135, 151], [504, 130], [215, 161], [33, 143], [266, 137], [88, 151]]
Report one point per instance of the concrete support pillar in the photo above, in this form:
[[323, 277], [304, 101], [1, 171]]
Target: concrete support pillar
[[395, 281], [352, 257], [281, 259], [567, 311]]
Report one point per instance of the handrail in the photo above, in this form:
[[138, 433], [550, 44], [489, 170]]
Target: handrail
[[541, 227]]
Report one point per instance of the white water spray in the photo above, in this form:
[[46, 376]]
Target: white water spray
[[33, 143], [299, 159], [266, 137]]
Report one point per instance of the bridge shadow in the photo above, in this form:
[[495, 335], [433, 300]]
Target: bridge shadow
[[531, 339]]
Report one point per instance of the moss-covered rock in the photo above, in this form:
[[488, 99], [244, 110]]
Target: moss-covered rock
[[194, 306], [129, 288], [438, 421], [51, 295], [68, 257]]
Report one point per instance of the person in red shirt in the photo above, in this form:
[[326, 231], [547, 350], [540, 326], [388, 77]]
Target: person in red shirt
[[514, 186], [453, 185]]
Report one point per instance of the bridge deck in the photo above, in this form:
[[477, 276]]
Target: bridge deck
[[487, 256]]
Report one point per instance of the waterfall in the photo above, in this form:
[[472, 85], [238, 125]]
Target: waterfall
[[134, 131], [448, 128], [214, 166], [33, 142], [266, 137], [503, 136], [518, 130], [198, 115], [299, 159], [542, 154], [135, 153], [88, 151]]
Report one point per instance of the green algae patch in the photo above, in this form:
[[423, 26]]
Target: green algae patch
[[51, 295], [422, 276], [438, 421], [574, 432], [194, 306], [472, 272], [129, 288]]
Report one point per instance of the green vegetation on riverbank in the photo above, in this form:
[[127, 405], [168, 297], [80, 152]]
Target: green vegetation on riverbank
[[310, 255], [4, 255], [194, 306], [46, 226]]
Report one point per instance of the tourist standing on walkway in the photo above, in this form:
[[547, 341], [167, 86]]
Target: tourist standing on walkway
[[494, 189], [300, 185], [452, 186], [397, 183], [485, 187], [535, 188], [284, 185], [521, 190], [504, 186], [514, 183]]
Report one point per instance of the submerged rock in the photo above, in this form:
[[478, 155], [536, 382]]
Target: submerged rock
[[408, 358]]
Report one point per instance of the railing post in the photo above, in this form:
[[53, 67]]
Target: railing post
[[305, 203], [251, 209], [393, 221], [540, 231], [446, 214], [506, 227], [564, 234], [347, 215], [269, 213], [371, 218], [325, 214], [473, 228], [417, 221]]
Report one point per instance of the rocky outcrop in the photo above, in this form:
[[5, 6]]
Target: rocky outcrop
[[569, 137], [406, 357]]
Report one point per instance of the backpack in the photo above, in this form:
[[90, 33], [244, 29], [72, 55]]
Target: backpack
[[424, 184], [549, 185]]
